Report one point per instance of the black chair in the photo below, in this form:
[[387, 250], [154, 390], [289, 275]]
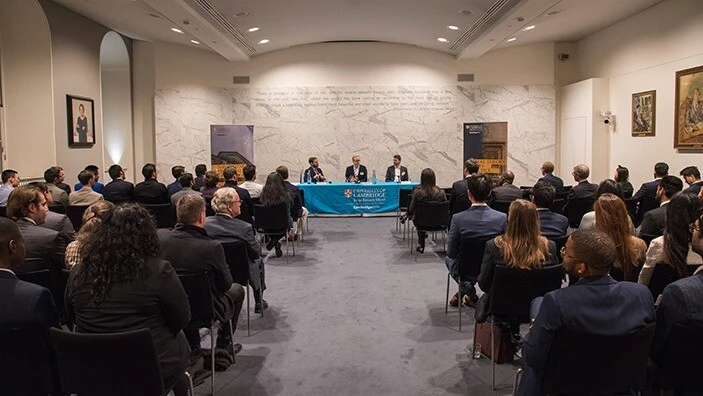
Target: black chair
[[3, 211], [512, 292], [558, 205], [613, 364], [663, 275], [631, 205], [56, 283], [501, 206], [273, 220], [430, 217], [404, 195], [676, 371], [202, 312], [87, 366], [57, 208], [75, 214], [238, 262], [576, 208], [27, 362], [164, 214], [645, 206], [470, 258], [560, 242], [647, 238], [526, 192]]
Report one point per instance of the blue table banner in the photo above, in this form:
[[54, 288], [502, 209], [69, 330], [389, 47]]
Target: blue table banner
[[352, 198]]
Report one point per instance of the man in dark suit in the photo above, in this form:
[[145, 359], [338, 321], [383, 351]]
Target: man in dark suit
[[356, 172], [118, 190], [582, 189], [297, 211], [51, 176], [200, 171], [397, 172], [21, 303], [506, 191], [458, 198], [551, 225], [556, 182], [654, 220], [225, 227], [176, 171], [150, 191], [230, 175], [692, 176], [478, 221], [55, 221], [596, 304], [314, 173], [191, 250], [648, 190]]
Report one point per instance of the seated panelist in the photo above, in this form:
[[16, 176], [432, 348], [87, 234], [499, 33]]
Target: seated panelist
[[397, 172], [356, 172]]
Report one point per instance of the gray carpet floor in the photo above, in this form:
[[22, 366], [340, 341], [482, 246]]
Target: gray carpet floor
[[353, 313]]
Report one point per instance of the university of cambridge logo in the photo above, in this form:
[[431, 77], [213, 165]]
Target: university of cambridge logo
[[348, 193]]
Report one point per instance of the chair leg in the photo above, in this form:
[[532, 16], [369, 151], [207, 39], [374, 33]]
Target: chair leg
[[446, 300], [231, 341], [248, 307], [261, 297], [213, 336], [287, 252], [473, 350], [493, 354], [190, 384], [461, 300], [517, 379]]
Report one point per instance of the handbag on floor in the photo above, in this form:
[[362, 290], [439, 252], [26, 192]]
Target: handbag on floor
[[503, 348]]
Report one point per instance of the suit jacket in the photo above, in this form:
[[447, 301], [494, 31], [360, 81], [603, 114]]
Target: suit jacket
[[390, 174], [60, 223], [198, 182], [653, 221], [45, 248], [458, 198], [118, 191], [173, 188], [694, 188], [363, 173], [64, 187], [245, 197], [84, 196], [475, 222], [310, 173], [554, 181], [552, 225], [151, 192], [183, 192], [648, 190], [583, 189], [226, 229], [58, 195], [507, 192], [23, 303], [97, 187]]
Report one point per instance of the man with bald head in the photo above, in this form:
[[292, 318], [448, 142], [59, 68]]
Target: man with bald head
[[507, 191]]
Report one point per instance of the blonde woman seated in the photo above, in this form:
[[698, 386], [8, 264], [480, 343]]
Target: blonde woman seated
[[92, 218], [521, 246]]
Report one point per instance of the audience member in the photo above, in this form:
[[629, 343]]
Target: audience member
[[10, 181], [478, 221], [648, 190], [654, 220], [609, 186], [548, 176], [97, 186], [674, 247], [583, 188], [314, 173], [177, 171], [55, 221], [199, 181], [85, 195], [118, 190], [297, 211], [230, 175], [51, 176], [190, 249], [275, 193], [249, 184], [225, 227], [211, 180], [551, 225], [506, 190], [622, 177], [119, 259], [186, 181], [61, 184], [91, 220], [692, 177], [397, 172], [596, 304], [356, 172], [150, 191], [426, 192], [458, 198]]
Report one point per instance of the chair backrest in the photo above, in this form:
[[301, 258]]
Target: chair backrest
[[470, 257], [560, 242], [513, 289], [647, 238], [56, 283], [57, 208], [404, 195], [254, 201], [75, 214], [3, 211], [244, 214], [501, 206], [108, 364], [164, 214], [271, 218], [645, 206], [197, 287], [611, 364], [685, 345], [27, 362], [631, 205], [558, 205], [431, 215], [237, 260], [662, 275], [301, 194], [578, 207]]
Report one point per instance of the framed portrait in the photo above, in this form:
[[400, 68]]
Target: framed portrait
[[644, 113], [80, 113], [688, 118]]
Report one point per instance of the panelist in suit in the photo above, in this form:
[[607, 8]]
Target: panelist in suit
[[458, 198], [547, 175], [51, 176], [150, 191], [596, 304], [692, 176], [397, 172], [85, 195], [314, 173], [118, 190], [21, 303], [506, 191], [551, 225], [648, 190], [356, 172], [478, 221], [654, 220]]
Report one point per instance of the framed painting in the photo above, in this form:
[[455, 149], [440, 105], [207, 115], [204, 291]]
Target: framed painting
[[688, 118], [80, 113], [644, 113]]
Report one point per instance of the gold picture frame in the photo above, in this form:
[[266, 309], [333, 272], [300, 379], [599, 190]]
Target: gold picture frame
[[644, 113], [688, 118]]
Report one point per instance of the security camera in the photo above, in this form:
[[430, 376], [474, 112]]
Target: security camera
[[607, 117]]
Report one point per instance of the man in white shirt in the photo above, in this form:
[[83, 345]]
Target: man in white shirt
[[10, 180], [397, 172], [249, 184]]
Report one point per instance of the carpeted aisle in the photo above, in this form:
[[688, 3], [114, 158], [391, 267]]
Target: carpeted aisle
[[354, 314]]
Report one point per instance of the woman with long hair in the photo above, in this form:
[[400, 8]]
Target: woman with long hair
[[91, 220], [275, 193], [426, 192], [622, 176], [607, 186], [674, 247], [122, 284], [612, 218]]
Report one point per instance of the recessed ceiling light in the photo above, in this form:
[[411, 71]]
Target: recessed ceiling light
[[452, 27], [465, 12], [512, 39], [241, 14], [177, 30], [195, 41], [253, 29], [264, 41], [553, 12], [442, 40], [529, 28], [151, 14]]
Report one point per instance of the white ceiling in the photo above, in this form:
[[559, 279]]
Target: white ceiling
[[483, 24]]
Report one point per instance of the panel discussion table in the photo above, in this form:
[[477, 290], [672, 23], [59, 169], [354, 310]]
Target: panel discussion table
[[343, 198]]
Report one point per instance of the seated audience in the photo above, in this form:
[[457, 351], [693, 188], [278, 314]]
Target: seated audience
[[506, 191], [199, 181], [150, 191], [225, 227], [190, 249], [596, 304], [478, 221], [51, 176], [85, 195], [551, 225], [458, 198], [606, 186], [177, 171], [314, 172], [426, 192], [122, 284], [211, 180], [92, 218], [97, 186], [622, 176], [230, 175], [249, 184], [548, 176], [397, 172], [10, 181], [55, 221], [674, 247], [275, 193], [583, 188], [21, 303], [297, 211], [654, 220], [692, 176], [186, 181], [118, 190], [648, 190]]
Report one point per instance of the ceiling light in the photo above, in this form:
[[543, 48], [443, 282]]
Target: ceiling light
[[465, 12], [241, 14], [253, 29], [452, 27], [195, 41], [512, 39], [151, 14], [528, 28], [553, 12], [264, 41], [177, 30], [442, 40]]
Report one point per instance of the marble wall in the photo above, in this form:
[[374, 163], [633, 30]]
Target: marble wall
[[421, 123]]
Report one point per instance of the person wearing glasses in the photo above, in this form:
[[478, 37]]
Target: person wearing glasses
[[356, 173]]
